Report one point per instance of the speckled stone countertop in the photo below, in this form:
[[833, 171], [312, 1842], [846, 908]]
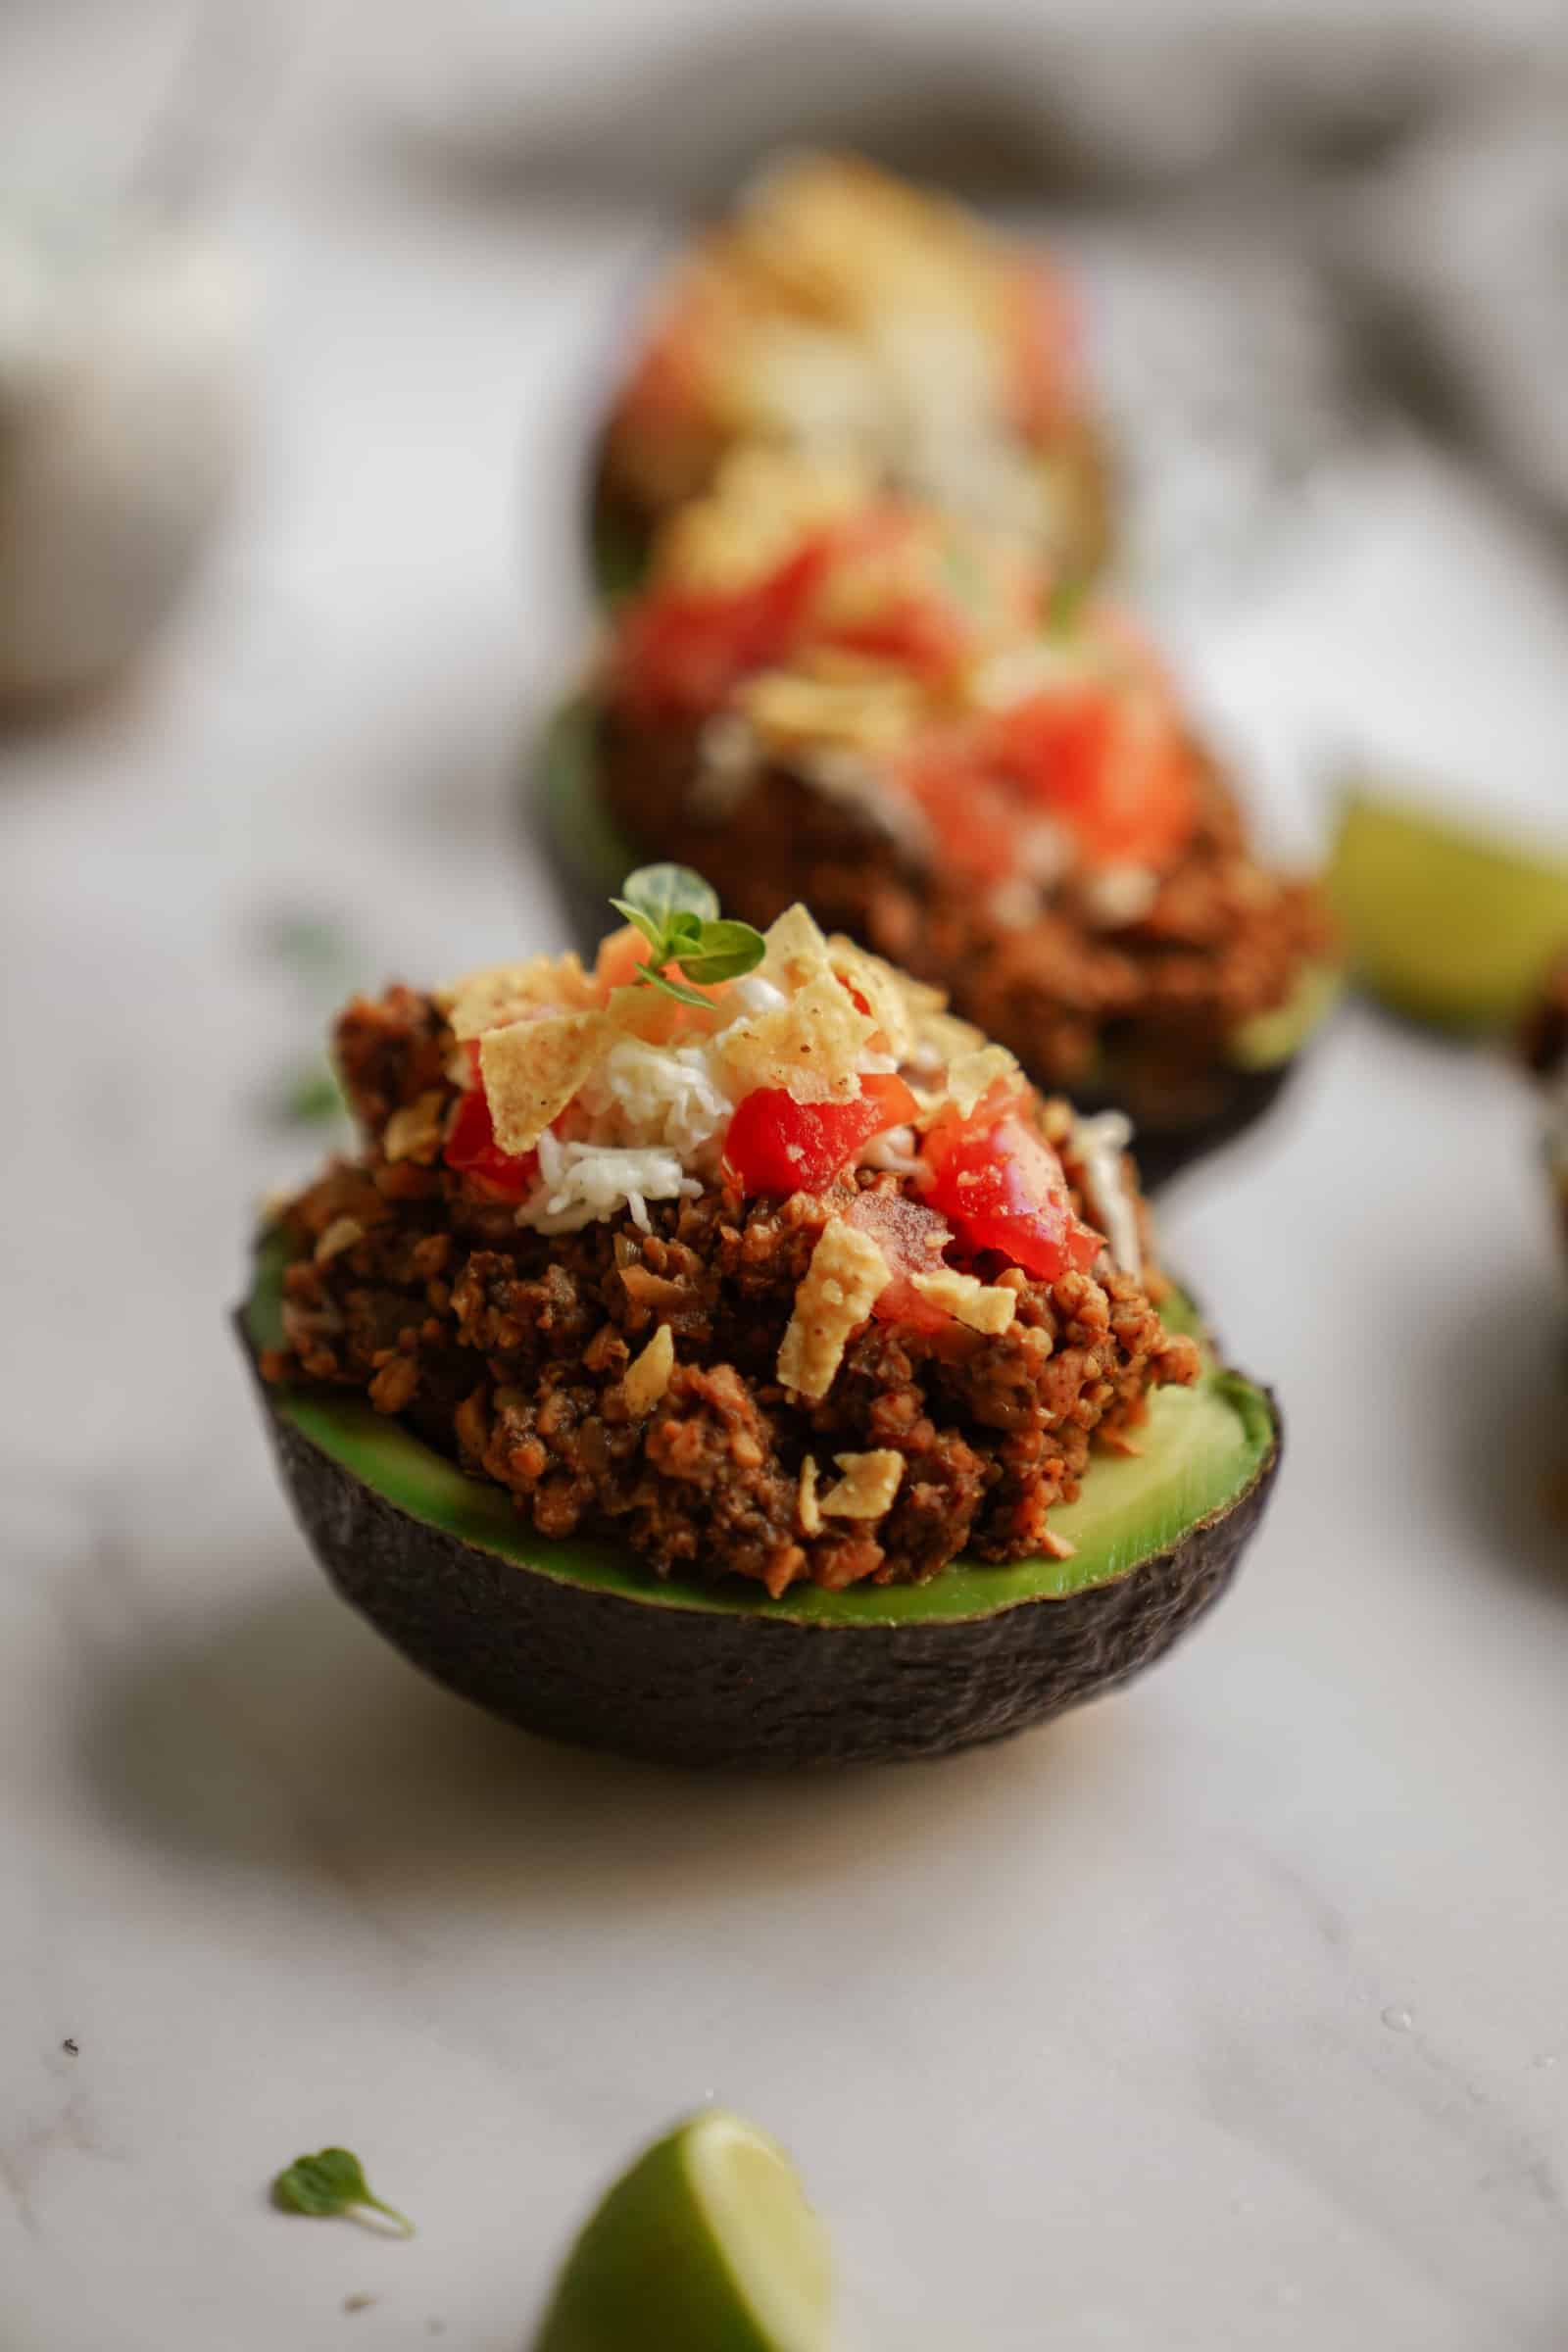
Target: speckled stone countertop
[[1231, 2012]]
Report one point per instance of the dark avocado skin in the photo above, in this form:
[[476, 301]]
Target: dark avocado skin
[[580, 850], [741, 1691], [1161, 1153]]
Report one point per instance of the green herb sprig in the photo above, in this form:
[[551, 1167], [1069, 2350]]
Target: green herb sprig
[[333, 2181], [677, 913]]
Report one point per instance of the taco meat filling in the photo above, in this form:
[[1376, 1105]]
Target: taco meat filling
[[796, 1281], [824, 693]]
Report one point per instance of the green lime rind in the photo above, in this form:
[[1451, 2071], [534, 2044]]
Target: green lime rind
[[1200, 1450], [707, 2244], [591, 848], [1445, 925]]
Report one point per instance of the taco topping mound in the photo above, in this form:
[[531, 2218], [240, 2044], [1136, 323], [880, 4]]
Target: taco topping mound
[[828, 694], [741, 1250], [838, 309]]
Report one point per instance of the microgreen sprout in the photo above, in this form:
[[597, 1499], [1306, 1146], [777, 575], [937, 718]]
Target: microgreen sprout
[[332, 2181], [677, 913]]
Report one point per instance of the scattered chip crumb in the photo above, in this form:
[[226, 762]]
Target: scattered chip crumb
[[340, 1234], [982, 1306], [357, 2302], [647, 1376], [71, 2046], [844, 1281], [414, 1130], [809, 1509], [869, 1486]]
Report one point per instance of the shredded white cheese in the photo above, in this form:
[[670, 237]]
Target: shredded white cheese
[[1099, 1144]]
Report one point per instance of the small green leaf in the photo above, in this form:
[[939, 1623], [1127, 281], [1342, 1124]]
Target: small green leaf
[[332, 2182], [677, 913], [672, 988], [725, 951], [651, 931], [662, 891]]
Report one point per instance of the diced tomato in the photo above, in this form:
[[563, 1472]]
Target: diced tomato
[[472, 1148], [916, 634], [1002, 1188], [1115, 770], [912, 1237], [684, 653], [776, 1145], [973, 820]]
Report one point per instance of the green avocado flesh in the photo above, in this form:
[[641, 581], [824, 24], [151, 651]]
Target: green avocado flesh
[[1445, 925], [591, 847], [1203, 1448]]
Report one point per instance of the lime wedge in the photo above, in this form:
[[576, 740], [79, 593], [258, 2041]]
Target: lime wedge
[[1444, 924], [707, 2244]]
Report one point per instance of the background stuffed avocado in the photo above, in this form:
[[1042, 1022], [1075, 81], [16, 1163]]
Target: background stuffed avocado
[[577, 1639], [570, 823]]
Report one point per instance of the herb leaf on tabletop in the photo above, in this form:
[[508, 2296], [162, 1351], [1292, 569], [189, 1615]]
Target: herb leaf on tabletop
[[332, 2181]]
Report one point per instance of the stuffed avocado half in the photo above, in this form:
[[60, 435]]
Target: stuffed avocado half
[[1186, 1001], [723, 1356], [836, 306]]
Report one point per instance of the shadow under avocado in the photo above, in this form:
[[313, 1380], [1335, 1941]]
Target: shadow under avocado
[[288, 1739]]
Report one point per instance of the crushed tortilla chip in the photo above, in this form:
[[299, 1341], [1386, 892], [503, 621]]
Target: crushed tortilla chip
[[869, 1486], [808, 1509], [531, 1069], [794, 950], [793, 711], [647, 1377], [505, 992], [764, 506], [972, 1075], [844, 1281], [980, 1305], [877, 985], [812, 1045]]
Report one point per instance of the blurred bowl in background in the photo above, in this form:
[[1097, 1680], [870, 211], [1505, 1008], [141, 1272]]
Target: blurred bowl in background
[[124, 346]]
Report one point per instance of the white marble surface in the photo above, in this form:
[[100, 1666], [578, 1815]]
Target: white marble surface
[[1229, 2013]]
